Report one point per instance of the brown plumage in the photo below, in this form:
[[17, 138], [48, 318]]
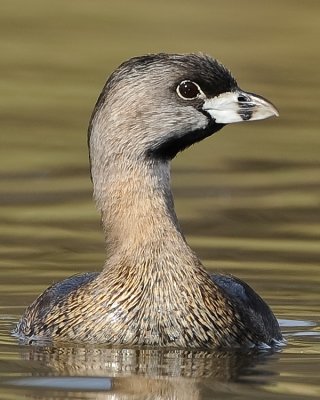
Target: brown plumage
[[153, 290]]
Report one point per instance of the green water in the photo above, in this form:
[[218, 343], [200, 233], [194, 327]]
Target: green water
[[248, 198]]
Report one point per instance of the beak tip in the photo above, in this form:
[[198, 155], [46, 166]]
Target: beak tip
[[268, 109], [275, 111]]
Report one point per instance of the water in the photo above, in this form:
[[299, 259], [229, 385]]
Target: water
[[248, 198]]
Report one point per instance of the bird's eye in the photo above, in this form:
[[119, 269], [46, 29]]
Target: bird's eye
[[188, 90]]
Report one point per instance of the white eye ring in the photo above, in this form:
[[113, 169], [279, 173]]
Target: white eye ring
[[189, 90]]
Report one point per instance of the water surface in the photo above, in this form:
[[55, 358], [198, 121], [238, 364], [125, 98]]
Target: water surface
[[247, 198]]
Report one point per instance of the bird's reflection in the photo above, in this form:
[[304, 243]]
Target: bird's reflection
[[135, 373]]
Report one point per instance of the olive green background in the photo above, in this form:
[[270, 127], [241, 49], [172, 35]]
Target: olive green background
[[248, 197]]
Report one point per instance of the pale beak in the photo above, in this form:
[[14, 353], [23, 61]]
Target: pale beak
[[238, 106]]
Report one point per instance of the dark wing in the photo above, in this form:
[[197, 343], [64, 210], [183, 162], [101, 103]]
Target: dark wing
[[254, 312], [33, 320]]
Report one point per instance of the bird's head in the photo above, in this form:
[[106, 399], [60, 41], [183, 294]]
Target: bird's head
[[157, 105]]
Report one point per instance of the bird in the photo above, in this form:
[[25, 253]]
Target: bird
[[153, 290]]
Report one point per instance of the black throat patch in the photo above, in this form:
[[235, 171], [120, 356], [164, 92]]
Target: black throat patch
[[168, 149]]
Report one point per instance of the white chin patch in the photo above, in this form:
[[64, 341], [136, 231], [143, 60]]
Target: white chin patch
[[231, 107]]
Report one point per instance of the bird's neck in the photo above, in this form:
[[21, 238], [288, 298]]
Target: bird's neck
[[137, 211]]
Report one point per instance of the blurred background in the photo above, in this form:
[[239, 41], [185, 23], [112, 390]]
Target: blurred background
[[248, 198]]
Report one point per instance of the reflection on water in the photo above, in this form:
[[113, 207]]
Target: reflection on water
[[135, 373], [248, 198], [151, 362]]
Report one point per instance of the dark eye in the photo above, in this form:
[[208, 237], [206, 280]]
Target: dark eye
[[188, 90]]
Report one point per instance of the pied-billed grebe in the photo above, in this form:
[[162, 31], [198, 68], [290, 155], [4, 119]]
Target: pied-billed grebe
[[153, 290]]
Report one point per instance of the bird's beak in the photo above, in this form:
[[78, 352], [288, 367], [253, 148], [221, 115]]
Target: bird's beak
[[237, 106]]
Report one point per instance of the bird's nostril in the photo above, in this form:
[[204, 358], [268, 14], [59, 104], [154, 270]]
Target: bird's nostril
[[242, 98]]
